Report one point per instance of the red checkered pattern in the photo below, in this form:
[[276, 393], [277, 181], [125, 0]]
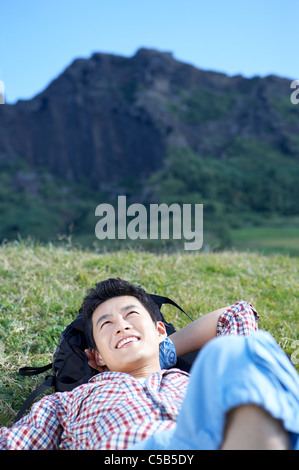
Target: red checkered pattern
[[114, 410], [239, 319]]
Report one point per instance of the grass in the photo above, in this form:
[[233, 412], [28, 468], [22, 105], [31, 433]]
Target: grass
[[42, 288], [268, 239]]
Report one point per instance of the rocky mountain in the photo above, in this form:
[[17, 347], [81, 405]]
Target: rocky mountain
[[110, 118], [155, 129]]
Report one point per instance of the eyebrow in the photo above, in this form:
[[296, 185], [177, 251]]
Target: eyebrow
[[109, 315], [103, 317]]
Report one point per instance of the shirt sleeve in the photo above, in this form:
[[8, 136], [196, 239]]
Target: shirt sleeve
[[239, 319], [39, 430]]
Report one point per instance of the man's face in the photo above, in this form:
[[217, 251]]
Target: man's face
[[126, 337]]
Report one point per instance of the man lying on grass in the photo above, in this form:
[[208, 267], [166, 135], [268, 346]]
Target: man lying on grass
[[242, 393]]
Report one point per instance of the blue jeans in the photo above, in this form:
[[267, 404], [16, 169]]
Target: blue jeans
[[231, 371]]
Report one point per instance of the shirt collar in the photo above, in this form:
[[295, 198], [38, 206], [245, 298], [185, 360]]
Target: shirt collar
[[106, 376]]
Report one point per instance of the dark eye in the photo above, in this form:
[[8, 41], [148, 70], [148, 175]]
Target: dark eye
[[132, 313], [105, 323]]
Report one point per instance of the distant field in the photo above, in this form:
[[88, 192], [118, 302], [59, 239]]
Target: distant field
[[42, 288], [268, 239]]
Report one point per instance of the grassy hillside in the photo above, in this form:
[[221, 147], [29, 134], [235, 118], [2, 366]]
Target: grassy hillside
[[42, 288], [250, 199], [280, 237]]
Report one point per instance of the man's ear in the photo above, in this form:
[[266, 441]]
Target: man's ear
[[98, 358], [161, 331], [95, 360]]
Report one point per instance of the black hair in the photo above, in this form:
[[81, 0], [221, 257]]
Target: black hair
[[114, 287]]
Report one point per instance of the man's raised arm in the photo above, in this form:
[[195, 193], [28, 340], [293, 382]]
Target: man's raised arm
[[195, 335]]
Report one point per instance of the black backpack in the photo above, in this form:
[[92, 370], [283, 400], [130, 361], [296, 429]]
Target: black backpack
[[70, 367]]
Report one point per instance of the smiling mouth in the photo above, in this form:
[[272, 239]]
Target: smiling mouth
[[126, 341]]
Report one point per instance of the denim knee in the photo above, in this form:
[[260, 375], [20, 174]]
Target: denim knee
[[232, 371]]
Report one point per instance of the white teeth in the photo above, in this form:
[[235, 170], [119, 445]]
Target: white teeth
[[126, 340]]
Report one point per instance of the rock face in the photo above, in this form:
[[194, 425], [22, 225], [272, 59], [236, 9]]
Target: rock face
[[110, 118]]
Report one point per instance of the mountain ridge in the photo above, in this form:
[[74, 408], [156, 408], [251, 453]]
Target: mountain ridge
[[156, 130], [111, 117]]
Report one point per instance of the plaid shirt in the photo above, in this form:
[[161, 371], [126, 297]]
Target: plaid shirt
[[114, 410], [239, 319]]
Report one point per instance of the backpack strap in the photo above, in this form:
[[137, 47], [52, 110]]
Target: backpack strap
[[160, 300], [48, 382], [27, 371]]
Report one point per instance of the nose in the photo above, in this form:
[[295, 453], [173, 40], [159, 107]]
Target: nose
[[121, 326]]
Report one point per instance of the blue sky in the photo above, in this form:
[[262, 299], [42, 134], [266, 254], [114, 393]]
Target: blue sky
[[40, 38]]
